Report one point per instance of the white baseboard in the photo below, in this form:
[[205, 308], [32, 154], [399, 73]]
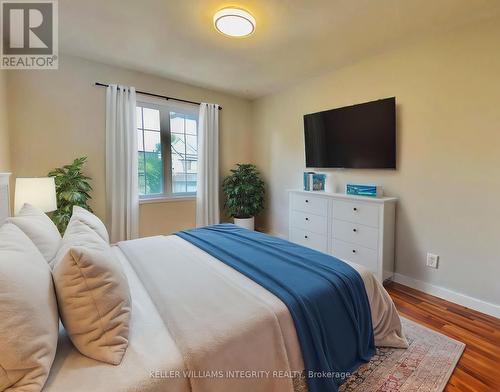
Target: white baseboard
[[449, 295]]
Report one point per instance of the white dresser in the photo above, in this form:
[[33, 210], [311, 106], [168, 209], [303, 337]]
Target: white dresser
[[352, 228]]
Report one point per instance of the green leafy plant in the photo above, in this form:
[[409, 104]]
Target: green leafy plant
[[72, 189], [244, 191]]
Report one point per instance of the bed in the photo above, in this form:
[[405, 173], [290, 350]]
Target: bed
[[203, 315]]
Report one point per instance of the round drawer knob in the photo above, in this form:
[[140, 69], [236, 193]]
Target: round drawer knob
[[305, 237], [307, 201], [354, 251], [355, 230], [307, 219], [354, 209]]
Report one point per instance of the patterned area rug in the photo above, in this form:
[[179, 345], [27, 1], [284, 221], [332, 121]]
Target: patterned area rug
[[425, 366]]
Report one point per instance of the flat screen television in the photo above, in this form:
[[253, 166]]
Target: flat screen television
[[361, 136]]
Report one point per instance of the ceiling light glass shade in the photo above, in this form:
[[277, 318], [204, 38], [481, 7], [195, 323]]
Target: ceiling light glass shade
[[39, 192], [234, 22]]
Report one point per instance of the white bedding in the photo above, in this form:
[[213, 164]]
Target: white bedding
[[153, 354], [150, 348]]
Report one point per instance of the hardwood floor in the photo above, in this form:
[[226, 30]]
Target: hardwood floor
[[479, 366]]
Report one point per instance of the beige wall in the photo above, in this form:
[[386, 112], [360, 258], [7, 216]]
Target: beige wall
[[4, 130], [448, 177], [167, 217], [56, 116]]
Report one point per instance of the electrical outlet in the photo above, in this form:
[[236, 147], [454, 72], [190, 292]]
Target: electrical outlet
[[432, 260]]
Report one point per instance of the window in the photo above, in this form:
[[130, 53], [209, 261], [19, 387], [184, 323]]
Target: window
[[168, 150]]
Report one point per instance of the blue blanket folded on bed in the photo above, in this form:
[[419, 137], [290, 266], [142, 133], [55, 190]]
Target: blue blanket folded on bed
[[325, 296]]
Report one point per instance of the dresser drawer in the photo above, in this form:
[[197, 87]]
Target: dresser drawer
[[356, 233], [357, 254], [309, 222], [357, 212], [309, 239], [309, 203]]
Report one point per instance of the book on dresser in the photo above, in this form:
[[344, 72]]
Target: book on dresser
[[352, 228]]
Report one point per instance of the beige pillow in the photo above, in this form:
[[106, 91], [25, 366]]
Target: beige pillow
[[40, 229], [93, 295], [92, 221], [28, 313]]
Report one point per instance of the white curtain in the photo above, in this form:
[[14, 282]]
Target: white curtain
[[122, 197], [207, 192]]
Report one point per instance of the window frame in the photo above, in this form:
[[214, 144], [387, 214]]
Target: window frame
[[166, 153]]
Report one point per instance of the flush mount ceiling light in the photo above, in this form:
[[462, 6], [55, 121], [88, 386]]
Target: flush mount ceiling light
[[234, 22]]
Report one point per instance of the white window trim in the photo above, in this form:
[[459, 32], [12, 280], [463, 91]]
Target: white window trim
[[165, 199], [168, 106]]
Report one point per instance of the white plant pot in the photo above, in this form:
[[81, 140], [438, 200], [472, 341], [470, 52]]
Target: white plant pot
[[247, 223]]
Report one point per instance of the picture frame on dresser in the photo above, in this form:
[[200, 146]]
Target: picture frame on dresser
[[352, 228]]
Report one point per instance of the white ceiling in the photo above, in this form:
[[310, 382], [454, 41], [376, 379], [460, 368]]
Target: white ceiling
[[293, 39]]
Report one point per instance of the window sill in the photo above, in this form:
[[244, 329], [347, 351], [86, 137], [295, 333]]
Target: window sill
[[165, 199]]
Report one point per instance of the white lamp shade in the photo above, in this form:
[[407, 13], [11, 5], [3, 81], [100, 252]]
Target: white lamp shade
[[39, 192]]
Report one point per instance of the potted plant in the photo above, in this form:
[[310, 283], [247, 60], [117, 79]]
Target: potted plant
[[72, 189], [244, 194]]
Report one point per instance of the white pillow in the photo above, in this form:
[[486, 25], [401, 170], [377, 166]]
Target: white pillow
[[40, 229], [78, 234], [93, 295], [29, 320], [92, 221]]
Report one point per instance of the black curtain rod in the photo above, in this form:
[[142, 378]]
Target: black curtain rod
[[157, 95]]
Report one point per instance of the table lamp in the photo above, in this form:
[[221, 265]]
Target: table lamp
[[39, 192]]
